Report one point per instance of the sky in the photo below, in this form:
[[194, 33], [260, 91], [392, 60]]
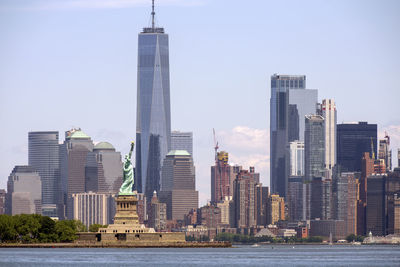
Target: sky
[[73, 63]]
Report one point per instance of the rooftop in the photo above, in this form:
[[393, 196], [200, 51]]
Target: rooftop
[[77, 134], [178, 153], [104, 146]]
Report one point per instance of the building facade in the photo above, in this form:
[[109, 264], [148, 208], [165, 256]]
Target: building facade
[[210, 216], [290, 101], [244, 198], [353, 140], [73, 156], [153, 121], [222, 177], [276, 209], [385, 153], [103, 169], [314, 146], [178, 189], [157, 214], [330, 117], [3, 194], [296, 158], [182, 141], [24, 191], [92, 208], [43, 156]]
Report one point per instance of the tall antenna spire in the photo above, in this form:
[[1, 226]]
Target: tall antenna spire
[[152, 15]]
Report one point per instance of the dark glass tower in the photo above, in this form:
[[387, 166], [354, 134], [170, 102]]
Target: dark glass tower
[[290, 102], [153, 122], [44, 157], [353, 140]]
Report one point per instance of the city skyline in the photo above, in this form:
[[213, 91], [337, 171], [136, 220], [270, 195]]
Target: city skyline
[[239, 133]]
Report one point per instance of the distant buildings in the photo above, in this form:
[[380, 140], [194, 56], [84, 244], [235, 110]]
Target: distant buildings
[[178, 184], [210, 216], [345, 196], [290, 102], [352, 141], [24, 191], [385, 153], [321, 198], [276, 209], [157, 214], [43, 156], [382, 203], [398, 157], [244, 198], [3, 201], [182, 141]]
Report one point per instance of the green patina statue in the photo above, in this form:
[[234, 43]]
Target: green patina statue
[[128, 181]]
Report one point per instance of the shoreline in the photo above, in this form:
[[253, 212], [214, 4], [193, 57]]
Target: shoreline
[[119, 245]]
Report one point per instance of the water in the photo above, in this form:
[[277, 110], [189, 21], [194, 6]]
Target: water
[[273, 255]]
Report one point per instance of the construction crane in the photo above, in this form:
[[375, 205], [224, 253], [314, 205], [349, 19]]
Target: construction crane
[[217, 162], [215, 146]]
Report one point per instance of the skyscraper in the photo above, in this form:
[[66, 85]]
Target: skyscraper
[[182, 141], [178, 189], [398, 157], [103, 170], [222, 177], [353, 139], [329, 115], [43, 151], [296, 158], [289, 103], [244, 197], [385, 153], [314, 147], [153, 122], [314, 158], [24, 191], [73, 156]]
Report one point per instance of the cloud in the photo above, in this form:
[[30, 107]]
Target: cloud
[[247, 147], [92, 4]]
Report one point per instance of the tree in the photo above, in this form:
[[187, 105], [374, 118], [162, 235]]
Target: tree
[[7, 229], [94, 228], [79, 226], [66, 230], [355, 238], [27, 227]]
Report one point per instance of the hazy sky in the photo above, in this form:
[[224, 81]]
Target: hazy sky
[[72, 63]]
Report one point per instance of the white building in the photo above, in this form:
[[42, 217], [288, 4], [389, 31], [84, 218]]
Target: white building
[[329, 113]]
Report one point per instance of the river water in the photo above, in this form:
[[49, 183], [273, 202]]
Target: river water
[[272, 255]]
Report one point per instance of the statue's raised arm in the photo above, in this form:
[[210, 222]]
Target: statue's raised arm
[[128, 179]]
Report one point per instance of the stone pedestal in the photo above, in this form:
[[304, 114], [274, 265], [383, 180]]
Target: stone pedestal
[[127, 229], [126, 212]]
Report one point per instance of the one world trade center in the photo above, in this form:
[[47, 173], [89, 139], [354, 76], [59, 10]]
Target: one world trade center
[[153, 122]]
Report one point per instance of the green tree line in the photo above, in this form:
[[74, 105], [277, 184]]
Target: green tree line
[[34, 228], [239, 238]]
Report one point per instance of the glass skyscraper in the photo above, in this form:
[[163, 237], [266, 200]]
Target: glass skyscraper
[[290, 102], [44, 158], [354, 139], [153, 122]]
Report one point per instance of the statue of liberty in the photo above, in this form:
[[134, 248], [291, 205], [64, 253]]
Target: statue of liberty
[[128, 181]]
